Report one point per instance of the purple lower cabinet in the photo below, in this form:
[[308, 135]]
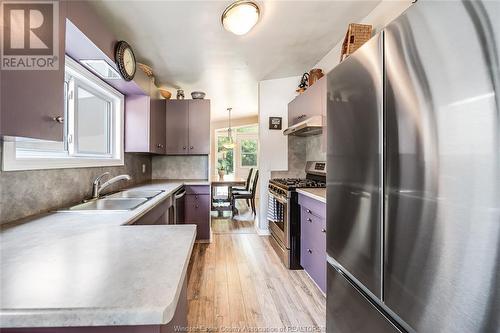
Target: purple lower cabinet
[[197, 211], [313, 242], [305, 250], [314, 207], [177, 324], [197, 189]]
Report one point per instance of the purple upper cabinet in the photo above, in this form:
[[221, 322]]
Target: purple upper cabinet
[[157, 125], [199, 127], [188, 127], [177, 124], [31, 99], [144, 124], [310, 103]]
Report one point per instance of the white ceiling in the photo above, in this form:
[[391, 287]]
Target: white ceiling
[[186, 45]]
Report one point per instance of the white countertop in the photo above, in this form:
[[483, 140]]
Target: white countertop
[[314, 193], [92, 269]]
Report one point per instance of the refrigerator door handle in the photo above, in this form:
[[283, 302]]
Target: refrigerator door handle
[[362, 194]]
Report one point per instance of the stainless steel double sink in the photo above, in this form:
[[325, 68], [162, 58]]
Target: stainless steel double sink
[[120, 201]]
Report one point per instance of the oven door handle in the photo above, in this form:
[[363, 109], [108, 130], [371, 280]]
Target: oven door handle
[[279, 199]]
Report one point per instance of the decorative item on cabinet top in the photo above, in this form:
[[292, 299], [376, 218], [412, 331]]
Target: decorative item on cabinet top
[[180, 94], [303, 83], [146, 69], [165, 93], [355, 37], [314, 75], [198, 95]]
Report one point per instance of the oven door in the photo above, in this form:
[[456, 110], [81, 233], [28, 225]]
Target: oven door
[[278, 212]]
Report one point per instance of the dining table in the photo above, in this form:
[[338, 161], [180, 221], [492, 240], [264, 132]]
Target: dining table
[[221, 203]]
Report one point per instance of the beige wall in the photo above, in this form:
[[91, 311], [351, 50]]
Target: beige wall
[[274, 96]]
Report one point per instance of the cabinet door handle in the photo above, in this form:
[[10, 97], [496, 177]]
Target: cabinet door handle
[[323, 230], [58, 119], [191, 147], [184, 147], [309, 250], [309, 220], [309, 211]]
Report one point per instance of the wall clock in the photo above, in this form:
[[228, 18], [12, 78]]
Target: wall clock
[[125, 60]]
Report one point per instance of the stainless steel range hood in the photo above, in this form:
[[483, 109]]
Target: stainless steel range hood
[[310, 126]]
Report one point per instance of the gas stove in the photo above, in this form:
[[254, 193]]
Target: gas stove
[[291, 184], [283, 212], [315, 178]]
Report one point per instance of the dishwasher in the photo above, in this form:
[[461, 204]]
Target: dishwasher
[[178, 211]]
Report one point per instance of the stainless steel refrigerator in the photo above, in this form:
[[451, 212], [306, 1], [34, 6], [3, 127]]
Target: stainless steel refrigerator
[[413, 181]]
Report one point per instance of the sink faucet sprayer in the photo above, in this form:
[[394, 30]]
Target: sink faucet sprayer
[[97, 187]]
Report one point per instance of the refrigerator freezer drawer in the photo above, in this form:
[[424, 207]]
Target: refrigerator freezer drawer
[[349, 311]]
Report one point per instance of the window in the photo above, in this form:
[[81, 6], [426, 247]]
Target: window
[[249, 152], [93, 128], [225, 156], [253, 129]]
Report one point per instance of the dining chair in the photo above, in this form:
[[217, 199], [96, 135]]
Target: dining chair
[[247, 195], [247, 184]]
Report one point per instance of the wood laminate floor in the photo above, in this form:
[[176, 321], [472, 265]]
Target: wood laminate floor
[[238, 284]]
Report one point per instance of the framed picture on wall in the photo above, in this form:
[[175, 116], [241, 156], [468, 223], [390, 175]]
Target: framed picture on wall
[[275, 123]]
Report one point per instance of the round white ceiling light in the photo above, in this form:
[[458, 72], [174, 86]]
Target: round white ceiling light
[[240, 17]]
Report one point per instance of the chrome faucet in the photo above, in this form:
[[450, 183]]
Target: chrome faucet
[[97, 187]]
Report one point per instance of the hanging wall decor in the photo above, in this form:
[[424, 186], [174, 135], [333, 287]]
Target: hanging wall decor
[[275, 123]]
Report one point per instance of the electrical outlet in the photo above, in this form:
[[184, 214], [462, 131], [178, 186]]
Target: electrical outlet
[[144, 168]]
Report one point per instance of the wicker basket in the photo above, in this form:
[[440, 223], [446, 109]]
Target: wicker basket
[[356, 35]]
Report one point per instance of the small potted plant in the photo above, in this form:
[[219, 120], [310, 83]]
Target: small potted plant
[[221, 168]]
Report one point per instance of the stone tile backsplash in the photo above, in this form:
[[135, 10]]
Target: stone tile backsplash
[[296, 159], [180, 167], [314, 150], [301, 150], [25, 193]]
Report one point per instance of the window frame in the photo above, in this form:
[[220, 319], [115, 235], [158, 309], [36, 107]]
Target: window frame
[[73, 143], [70, 157], [242, 137]]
